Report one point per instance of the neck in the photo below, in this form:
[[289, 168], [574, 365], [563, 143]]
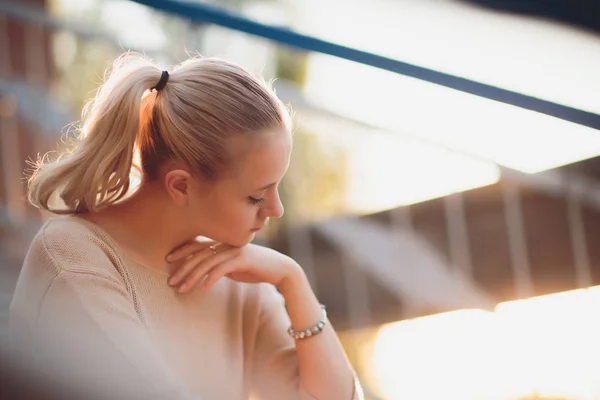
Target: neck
[[143, 226]]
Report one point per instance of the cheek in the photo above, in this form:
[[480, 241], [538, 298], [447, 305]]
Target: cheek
[[233, 224], [240, 217], [230, 215]]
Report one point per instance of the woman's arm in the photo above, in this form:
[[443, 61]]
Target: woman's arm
[[324, 370], [316, 365]]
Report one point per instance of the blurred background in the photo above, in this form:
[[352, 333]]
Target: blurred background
[[445, 207]]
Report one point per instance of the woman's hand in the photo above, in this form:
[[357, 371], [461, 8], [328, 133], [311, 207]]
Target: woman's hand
[[208, 262]]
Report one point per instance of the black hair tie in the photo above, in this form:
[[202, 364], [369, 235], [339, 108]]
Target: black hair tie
[[162, 82]]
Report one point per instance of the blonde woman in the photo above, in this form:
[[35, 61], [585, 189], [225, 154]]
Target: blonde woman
[[119, 298]]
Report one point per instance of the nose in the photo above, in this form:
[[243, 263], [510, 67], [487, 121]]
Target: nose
[[275, 209]]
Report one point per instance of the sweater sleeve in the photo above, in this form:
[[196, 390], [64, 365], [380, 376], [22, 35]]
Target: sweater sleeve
[[276, 374], [89, 337]]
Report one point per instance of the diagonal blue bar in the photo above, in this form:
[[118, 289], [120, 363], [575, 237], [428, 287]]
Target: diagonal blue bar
[[200, 12]]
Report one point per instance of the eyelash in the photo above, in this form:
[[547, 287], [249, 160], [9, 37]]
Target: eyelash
[[255, 202]]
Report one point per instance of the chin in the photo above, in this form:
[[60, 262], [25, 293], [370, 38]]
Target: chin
[[241, 242], [250, 238]]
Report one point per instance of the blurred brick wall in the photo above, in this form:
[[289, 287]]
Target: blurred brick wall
[[25, 58]]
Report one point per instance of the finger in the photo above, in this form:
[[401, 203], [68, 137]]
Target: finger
[[195, 260], [190, 264], [188, 249], [206, 266], [219, 271]]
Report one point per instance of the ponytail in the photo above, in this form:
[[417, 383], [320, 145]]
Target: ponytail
[[190, 120], [97, 172]]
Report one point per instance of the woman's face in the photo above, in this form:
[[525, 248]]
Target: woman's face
[[238, 204]]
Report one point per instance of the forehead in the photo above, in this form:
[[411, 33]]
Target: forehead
[[261, 159]]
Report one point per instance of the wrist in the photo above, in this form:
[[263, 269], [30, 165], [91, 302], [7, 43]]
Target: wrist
[[302, 306], [311, 331], [294, 278]]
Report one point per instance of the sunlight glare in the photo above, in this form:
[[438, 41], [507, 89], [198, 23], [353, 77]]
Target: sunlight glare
[[540, 58], [387, 170], [546, 345]]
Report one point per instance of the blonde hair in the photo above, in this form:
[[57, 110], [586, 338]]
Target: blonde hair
[[205, 101]]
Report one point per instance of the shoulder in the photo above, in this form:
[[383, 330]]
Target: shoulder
[[71, 245], [61, 250]]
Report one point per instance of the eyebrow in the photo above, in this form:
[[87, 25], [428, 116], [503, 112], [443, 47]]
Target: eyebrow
[[266, 187]]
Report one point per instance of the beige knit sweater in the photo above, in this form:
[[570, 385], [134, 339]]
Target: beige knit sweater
[[105, 324]]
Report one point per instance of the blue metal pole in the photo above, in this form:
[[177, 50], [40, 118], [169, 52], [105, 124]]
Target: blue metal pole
[[200, 12]]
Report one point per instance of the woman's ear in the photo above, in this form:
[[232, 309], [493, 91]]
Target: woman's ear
[[178, 185]]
